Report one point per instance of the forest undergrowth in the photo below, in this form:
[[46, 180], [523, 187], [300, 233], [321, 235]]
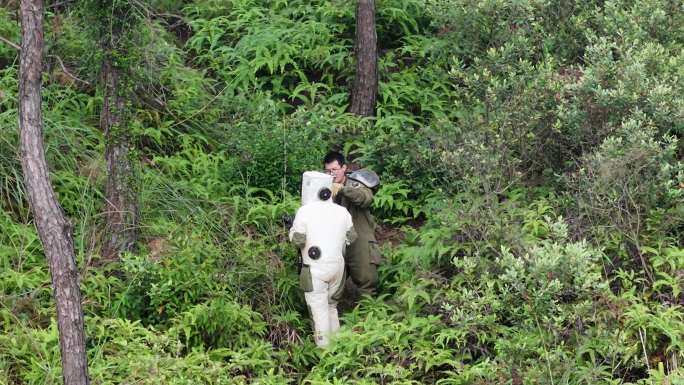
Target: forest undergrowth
[[531, 208]]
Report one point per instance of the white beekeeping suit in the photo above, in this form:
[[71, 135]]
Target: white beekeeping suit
[[322, 229]]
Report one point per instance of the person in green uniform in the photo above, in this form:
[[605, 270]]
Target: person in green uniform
[[362, 256]]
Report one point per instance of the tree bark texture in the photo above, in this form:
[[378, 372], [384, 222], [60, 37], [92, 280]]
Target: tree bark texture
[[53, 228], [121, 210], [365, 90]]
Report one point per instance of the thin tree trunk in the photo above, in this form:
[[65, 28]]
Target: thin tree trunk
[[121, 211], [53, 228], [365, 89]]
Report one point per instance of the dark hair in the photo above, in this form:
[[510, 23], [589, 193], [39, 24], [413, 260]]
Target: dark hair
[[334, 156]]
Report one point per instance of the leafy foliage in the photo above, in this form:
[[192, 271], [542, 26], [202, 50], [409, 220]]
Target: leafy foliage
[[531, 202]]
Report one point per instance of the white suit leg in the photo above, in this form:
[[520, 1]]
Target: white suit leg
[[334, 286], [317, 300], [326, 278]]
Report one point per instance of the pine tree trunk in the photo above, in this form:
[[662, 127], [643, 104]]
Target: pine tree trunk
[[52, 225], [121, 211], [365, 89]]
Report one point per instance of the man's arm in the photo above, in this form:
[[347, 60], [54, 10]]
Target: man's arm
[[351, 236], [360, 196]]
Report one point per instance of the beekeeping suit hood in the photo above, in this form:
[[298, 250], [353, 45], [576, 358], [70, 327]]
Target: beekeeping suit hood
[[313, 183]]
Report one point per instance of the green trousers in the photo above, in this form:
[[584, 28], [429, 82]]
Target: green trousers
[[362, 259]]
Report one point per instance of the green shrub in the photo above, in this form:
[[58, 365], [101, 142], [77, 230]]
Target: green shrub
[[218, 323], [628, 189], [182, 277]]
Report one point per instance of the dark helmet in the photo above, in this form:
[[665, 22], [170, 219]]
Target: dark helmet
[[366, 177]]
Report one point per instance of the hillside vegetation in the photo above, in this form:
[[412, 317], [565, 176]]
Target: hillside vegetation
[[531, 207]]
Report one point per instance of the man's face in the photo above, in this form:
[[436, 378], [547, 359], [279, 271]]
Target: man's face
[[333, 168]]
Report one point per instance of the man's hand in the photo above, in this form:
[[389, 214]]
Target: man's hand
[[336, 187]]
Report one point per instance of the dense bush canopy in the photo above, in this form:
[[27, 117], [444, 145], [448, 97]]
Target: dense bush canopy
[[531, 207]]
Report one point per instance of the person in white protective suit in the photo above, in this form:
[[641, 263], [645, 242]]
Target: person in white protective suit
[[322, 229]]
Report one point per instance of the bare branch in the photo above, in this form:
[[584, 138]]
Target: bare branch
[[66, 71], [10, 43], [201, 109], [59, 60], [58, 4]]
